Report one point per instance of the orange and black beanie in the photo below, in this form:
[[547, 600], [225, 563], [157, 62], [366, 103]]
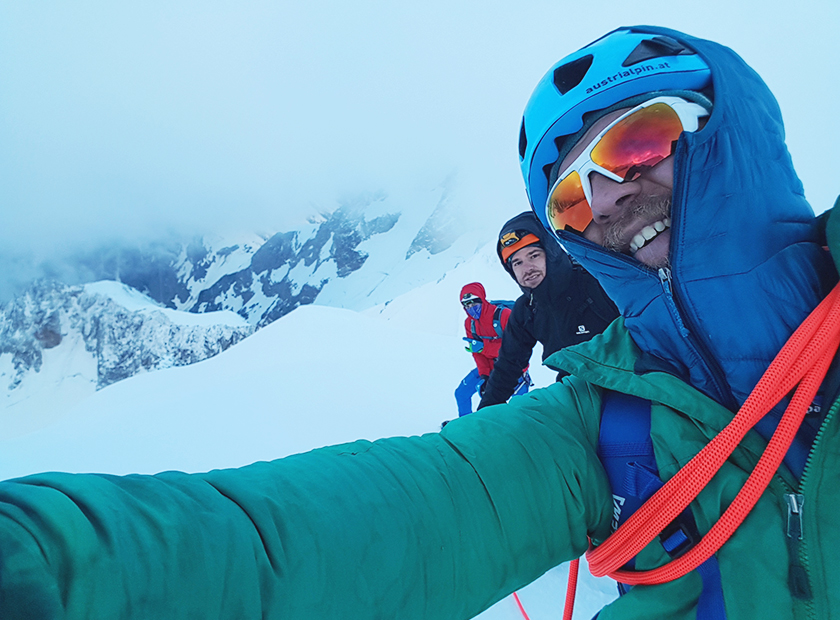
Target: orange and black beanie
[[521, 231]]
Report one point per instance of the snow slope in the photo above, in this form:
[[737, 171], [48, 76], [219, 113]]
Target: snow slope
[[135, 301], [59, 344], [315, 377]]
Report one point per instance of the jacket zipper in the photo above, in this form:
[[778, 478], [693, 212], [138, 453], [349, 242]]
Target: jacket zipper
[[694, 337], [695, 342], [799, 547], [685, 329], [798, 580], [665, 281]]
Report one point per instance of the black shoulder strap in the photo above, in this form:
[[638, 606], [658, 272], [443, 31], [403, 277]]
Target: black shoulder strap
[[473, 332]]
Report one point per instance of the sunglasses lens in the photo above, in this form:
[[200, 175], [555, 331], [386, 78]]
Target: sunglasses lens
[[640, 140], [567, 204]]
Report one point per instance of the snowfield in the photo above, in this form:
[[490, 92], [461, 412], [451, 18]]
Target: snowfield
[[318, 376]]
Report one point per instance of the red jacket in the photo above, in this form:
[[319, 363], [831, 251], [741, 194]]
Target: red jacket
[[484, 329]]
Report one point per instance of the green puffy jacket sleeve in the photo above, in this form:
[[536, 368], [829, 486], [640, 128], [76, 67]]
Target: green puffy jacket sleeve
[[438, 526]]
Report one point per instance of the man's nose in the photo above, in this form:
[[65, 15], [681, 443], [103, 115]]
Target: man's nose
[[609, 198]]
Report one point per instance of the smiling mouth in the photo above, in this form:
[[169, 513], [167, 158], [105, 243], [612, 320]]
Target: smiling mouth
[[649, 233]]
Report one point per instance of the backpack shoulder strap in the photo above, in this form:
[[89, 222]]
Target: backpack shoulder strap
[[473, 331], [624, 443], [626, 452], [497, 325], [497, 321]]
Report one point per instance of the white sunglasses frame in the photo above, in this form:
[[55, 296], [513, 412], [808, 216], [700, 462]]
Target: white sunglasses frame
[[688, 113]]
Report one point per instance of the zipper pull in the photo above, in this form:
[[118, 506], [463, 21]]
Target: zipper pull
[[794, 503], [665, 280], [798, 581]]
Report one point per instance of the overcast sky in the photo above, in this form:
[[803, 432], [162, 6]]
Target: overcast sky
[[132, 118]]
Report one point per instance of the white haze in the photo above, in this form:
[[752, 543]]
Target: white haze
[[127, 120]]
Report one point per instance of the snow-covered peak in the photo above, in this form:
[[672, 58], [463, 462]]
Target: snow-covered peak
[[135, 301], [172, 303], [59, 344]]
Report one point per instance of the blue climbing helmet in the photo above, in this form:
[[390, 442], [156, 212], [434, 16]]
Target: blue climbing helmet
[[620, 66]]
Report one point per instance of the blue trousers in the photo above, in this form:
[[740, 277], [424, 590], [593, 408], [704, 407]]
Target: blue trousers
[[465, 390], [469, 385]]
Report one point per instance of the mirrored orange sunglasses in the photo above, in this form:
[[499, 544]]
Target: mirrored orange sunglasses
[[622, 151]]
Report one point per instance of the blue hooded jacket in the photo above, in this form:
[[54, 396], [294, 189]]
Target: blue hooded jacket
[[743, 244]]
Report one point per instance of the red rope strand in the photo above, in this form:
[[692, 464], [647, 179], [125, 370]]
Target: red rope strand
[[519, 604], [803, 360], [571, 589]]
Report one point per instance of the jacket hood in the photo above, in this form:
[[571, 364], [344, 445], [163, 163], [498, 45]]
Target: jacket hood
[[473, 288], [557, 262], [745, 265]]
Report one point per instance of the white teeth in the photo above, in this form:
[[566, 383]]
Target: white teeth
[[649, 232], [639, 241]]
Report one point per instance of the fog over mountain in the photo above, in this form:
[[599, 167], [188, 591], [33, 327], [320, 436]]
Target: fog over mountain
[[120, 311], [134, 124]]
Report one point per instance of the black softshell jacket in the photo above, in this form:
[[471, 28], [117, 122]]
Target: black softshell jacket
[[568, 307]]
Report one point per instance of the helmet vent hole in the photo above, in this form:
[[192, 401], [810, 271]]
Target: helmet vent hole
[[523, 141], [656, 47], [567, 76], [547, 172]]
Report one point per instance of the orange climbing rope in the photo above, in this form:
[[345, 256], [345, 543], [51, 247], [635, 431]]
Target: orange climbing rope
[[802, 364], [571, 588], [519, 604], [803, 360]]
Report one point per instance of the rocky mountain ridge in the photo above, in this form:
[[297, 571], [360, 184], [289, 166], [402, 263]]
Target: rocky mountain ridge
[[122, 341], [57, 333], [261, 279]]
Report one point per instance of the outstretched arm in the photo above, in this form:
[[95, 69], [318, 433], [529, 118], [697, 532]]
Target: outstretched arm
[[438, 526]]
